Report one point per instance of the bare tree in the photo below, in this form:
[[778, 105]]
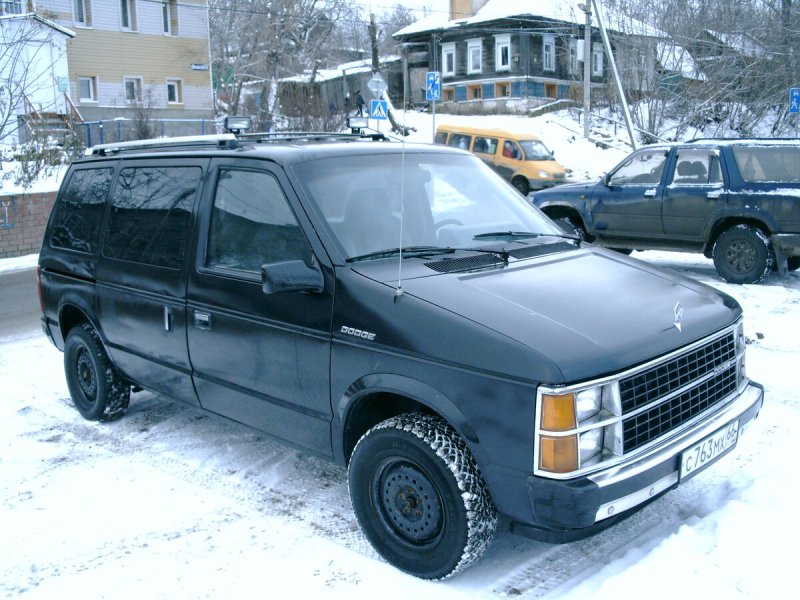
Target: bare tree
[[24, 47]]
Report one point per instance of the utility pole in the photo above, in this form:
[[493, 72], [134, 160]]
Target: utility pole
[[373, 38], [587, 69]]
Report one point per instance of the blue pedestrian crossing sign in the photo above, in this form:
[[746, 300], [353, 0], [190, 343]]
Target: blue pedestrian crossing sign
[[379, 109], [794, 100], [433, 86]]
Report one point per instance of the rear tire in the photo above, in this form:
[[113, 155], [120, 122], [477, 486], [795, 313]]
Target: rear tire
[[419, 497], [97, 389], [793, 263], [742, 254]]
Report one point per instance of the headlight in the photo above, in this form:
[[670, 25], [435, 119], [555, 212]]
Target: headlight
[[544, 174], [573, 429]]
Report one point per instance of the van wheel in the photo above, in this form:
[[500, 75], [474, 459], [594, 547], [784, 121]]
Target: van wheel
[[522, 185], [742, 254], [419, 497], [98, 391]]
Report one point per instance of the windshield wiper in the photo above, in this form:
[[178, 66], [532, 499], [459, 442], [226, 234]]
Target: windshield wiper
[[410, 251], [522, 235]]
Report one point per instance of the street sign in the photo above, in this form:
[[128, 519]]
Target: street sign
[[794, 100], [379, 109], [433, 85]]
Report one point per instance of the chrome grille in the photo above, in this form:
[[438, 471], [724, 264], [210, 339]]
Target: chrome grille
[[663, 380]]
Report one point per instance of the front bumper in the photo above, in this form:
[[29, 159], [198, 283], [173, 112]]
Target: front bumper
[[572, 509]]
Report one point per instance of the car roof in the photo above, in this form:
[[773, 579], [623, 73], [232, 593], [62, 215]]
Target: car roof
[[487, 132]]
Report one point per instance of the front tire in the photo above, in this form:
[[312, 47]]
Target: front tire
[[742, 254], [419, 497], [97, 389]]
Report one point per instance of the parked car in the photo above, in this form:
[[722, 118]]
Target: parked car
[[736, 201], [522, 159], [397, 309]]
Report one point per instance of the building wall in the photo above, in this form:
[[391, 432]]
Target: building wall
[[105, 51], [23, 218]]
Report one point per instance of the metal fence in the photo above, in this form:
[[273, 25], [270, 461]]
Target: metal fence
[[122, 129]]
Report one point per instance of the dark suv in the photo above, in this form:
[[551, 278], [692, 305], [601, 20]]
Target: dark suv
[[401, 310], [736, 201]]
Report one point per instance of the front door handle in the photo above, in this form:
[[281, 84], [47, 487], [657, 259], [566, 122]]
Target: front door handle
[[650, 193], [714, 194], [202, 320]]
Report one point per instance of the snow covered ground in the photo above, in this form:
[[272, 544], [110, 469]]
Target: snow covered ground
[[169, 502]]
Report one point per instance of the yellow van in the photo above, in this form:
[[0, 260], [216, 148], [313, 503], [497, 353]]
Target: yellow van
[[522, 159]]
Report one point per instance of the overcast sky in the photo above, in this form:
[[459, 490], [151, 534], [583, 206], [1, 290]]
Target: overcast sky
[[381, 6]]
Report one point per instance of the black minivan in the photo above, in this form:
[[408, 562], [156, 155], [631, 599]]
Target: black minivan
[[401, 310]]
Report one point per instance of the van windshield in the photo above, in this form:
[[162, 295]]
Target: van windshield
[[535, 150], [446, 200]]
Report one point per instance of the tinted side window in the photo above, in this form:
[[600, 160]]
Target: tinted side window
[[77, 215], [252, 224], [768, 163], [151, 215]]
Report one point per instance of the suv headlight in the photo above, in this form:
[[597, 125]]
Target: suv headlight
[[576, 425]]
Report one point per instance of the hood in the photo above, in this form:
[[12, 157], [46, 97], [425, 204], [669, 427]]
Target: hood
[[568, 190], [590, 311]]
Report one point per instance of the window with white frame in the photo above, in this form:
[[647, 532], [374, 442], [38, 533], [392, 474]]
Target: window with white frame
[[174, 91], [81, 14], [87, 89], [502, 52], [133, 89], [169, 17], [474, 56], [597, 59], [127, 15], [549, 52], [448, 59], [10, 7], [572, 56]]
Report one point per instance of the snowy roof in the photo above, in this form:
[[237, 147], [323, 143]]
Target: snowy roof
[[42, 20], [678, 60], [350, 68], [566, 11], [741, 41]]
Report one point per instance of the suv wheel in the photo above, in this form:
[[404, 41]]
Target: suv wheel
[[793, 263], [98, 391], [742, 254], [419, 497]]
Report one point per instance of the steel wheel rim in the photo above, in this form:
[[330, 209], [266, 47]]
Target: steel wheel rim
[[87, 378], [408, 503], [741, 256]]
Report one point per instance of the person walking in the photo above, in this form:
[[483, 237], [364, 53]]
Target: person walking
[[359, 104]]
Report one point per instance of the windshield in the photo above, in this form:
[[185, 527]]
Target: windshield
[[535, 150], [447, 201]]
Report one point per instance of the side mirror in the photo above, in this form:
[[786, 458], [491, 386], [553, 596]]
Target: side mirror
[[606, 179], [291, 276]]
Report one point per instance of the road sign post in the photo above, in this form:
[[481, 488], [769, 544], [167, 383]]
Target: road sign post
[[433, 92]]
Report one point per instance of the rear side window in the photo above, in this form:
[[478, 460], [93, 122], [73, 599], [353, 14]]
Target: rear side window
[[77, 215], [252, 224], [441, 137], [459, 140], [150, 216], [762, 164]]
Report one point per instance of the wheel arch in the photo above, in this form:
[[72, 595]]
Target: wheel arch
[[378, 397], [72, 313], [726, 223]]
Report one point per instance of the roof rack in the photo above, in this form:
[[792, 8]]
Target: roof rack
[[743, 139], [221, 140], [311, 136]]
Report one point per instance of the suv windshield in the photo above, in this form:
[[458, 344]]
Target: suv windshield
[[446, 201]]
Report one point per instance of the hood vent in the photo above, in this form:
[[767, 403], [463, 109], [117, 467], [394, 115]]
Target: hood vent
[[482, 261]]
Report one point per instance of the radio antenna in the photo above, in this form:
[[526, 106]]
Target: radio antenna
[[399, 290]]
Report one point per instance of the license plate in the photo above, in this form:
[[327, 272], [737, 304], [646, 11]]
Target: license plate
[[709, 449]]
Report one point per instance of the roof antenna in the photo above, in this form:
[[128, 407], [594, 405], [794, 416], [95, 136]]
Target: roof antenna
[[399, 290]]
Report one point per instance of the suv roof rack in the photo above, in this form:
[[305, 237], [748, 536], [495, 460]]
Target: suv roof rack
[[221, 140], [744, 139], [310, 136]]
